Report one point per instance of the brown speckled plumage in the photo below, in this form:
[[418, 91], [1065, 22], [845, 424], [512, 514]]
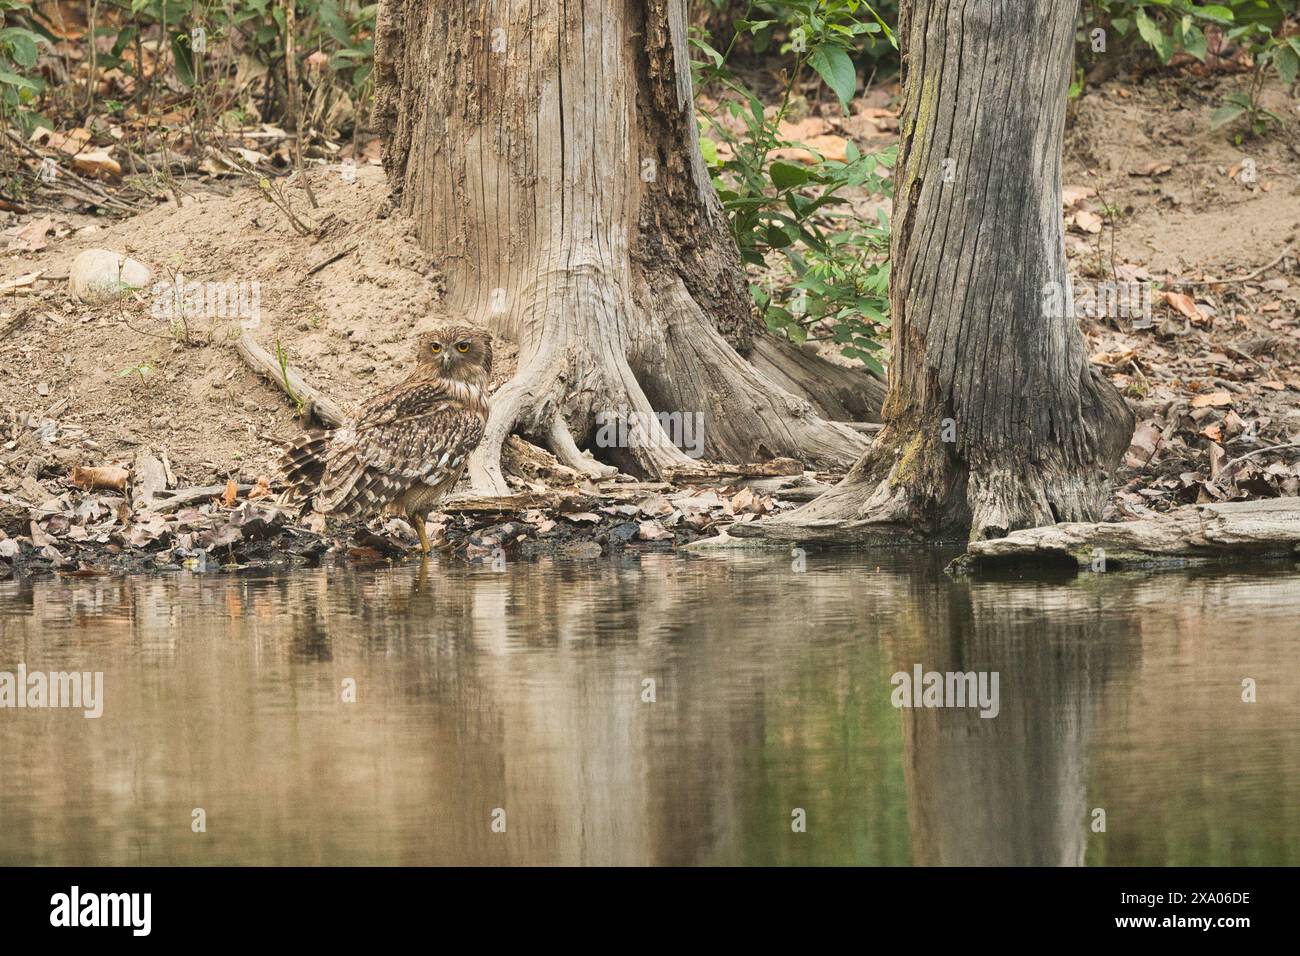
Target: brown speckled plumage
[[408, 446]]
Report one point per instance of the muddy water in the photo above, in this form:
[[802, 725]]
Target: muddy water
[[520, 698]]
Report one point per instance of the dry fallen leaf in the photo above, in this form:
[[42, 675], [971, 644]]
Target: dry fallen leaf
[[1073, 195], [1087, 221], [804, 128], [71, 142], [101, 476], [1212, 400], [12, 286], [261, 488], [1146, 439], [31, 237], [1113, 359], [831, 147], [652, 531], [1217, 458], [98, 164], [231, 493], [1185, 305], [1153, 169]]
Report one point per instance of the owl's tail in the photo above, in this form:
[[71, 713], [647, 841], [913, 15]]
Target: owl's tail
[[303, 466]]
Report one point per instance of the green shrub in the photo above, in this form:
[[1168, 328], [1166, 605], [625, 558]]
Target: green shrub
[[835, 268], [19, 46]]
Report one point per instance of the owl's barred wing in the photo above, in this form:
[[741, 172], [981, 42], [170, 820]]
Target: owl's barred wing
[[417, 434]]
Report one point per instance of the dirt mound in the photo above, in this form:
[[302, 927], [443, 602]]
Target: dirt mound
[[345, 308]]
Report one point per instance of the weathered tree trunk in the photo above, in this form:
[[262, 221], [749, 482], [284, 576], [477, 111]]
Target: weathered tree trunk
[[548, 153], [994, 419]]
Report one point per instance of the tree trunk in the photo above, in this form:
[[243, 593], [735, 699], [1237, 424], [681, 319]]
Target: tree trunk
[[548, 154], [994, 419]]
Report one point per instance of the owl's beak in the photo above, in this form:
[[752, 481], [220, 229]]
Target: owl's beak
[[446, 360]]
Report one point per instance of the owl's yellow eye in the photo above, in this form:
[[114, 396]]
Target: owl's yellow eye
[[462, 346], [435, 348]]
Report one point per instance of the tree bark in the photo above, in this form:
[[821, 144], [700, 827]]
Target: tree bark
[[994, 419], [548, 153]]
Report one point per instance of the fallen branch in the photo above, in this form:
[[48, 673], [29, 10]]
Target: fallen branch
[[776, 468], [1192, 534], [312, 402], [188, 496], [505, 504]]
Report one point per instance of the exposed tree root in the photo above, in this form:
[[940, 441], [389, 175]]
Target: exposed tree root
[[637, 385], [836, 392], [913, 484]]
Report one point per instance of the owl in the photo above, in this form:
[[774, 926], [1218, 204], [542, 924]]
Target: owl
[[408, 445]]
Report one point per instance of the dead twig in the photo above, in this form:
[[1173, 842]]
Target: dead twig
[[188, 496], [335, 257], [295, 95], [97, 196], [1261, 451], [312, 402], [1246, 278]]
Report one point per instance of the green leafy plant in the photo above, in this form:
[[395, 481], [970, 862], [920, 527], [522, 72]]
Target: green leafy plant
[[19, 47], [1169, 27], [1239, 105], [343, 29], [833, 271], [141, 370], [778, 25], [838, 264]]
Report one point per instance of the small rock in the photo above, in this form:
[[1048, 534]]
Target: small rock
[[99, 276], [652, 531], [623, 533]]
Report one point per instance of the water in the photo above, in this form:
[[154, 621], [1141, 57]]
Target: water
[[522, 691]]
